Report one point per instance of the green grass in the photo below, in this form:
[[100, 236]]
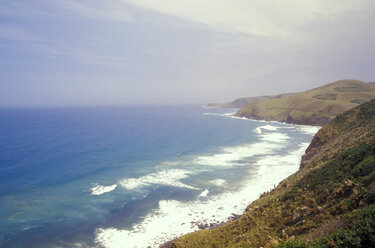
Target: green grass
[[315, 107], [329, 202], [359, 232]]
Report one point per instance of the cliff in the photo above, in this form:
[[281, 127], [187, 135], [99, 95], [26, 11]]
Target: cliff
[[329, 202], [312, 107]]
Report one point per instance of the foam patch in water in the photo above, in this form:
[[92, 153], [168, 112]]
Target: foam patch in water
[[166, 177], [174, 218], [101, 189], [311, 130], [218, 182]]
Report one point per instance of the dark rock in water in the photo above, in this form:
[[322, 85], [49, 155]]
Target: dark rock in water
[[203, 225]]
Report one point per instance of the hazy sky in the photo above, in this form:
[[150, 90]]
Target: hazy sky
[[69, 52]]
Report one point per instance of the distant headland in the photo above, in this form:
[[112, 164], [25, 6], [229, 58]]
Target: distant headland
[[311, 107]]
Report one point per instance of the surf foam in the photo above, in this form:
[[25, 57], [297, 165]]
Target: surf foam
[[101, 189], [312, 130], [218, 182], [232, 156], [174, 218], [204, 193], [165, 177], [258, 130]]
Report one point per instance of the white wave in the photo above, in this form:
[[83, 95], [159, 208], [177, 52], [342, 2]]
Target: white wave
[[218, 182], [221, 114], [174, 218], [274, 137], [101, 189], [258, 130], [254, 120], [164, 177], [312, 130], [170, 163], [229, 156], [31, 227], [204, 193], [273, 169]]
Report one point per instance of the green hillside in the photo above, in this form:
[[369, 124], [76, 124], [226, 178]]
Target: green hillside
[[314, 107], [329, 202]]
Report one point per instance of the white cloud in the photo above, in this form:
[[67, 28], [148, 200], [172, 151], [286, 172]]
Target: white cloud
[[259, 17]]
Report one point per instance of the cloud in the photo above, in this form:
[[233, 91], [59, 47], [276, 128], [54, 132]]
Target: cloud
[[186, 50], [106, 10], [259, 17]]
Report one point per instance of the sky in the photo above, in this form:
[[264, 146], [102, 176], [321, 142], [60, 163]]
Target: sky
[[111, 52]]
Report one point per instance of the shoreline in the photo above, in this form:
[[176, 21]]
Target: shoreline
[[233, 217], [271, 167], [210, 226], [258, 118]]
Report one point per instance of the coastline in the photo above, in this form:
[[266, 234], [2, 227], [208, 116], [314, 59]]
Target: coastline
[[233, 217], [212, 225]]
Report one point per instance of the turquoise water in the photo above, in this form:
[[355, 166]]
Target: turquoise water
[[124, 176]]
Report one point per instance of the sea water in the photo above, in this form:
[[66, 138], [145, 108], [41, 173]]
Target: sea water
[[133, 176]]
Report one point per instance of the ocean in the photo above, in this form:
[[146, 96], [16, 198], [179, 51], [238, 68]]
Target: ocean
[[133, 176]]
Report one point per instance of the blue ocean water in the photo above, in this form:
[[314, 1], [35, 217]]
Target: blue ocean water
[[106, 176]]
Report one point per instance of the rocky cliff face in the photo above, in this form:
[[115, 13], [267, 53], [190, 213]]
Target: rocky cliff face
[[329, 202]]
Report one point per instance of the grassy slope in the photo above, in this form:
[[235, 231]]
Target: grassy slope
[[315, 107], [334, 188]]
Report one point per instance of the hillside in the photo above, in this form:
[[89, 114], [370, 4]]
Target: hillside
[[241, 102], [312, 107], [329, 202]]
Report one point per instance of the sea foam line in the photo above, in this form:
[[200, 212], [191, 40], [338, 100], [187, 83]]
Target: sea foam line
[[232, 156], [164, 177], [174, 218]]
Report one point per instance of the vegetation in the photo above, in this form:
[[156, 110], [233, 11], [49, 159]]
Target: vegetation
[[314, 107], [329, 202]]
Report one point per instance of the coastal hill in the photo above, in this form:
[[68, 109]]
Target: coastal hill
[[312, 107], [329, 202], [242, 102]]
